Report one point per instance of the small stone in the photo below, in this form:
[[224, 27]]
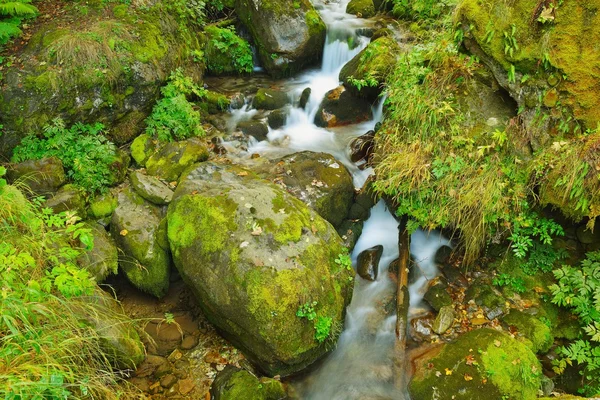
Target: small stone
[[368, 262], [175, 355], [168, 381], [444, 320], [189, 342], [150, 365], [304, 97], [186, 386]]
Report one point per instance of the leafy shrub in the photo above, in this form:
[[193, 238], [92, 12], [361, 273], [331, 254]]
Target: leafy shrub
[[174, 117], [11, 16], [226, 52], [46, 351], [86, 154], [321, 324], [579, 290], [417, 9]]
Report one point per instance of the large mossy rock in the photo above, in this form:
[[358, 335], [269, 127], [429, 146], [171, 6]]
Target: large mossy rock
[[288, 36], [376, 61], [171, 159], [43, 176], [143, 249], [102, 259], [537, 334], [253, 255], [482, 364], [234, 384], [340, 107], [361, 8], [108, 69], [318, 179]]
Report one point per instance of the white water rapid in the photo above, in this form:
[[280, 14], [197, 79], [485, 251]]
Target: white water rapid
[[361, 366]]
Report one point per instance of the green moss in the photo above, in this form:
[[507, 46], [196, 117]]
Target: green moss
[[103, 206], [314, 22], [183, 231], [362, 8], [535, 331]]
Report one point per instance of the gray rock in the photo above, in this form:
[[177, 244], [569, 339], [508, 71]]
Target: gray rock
[[257, 129], [150, 188], [102, 259], [444, 320], [277, 118], [339, 107], [368, 261], [43, 176], [68, 198], [142, 256]]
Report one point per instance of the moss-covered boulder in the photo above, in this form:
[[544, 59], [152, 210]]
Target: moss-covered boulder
[[340, 107], [361, 8], [102, 259], [482, 364], [437, 296], [143, 253], [43, 176], [254, 256], [142, 148], [170, 160], [234, 383], [270, 99], [150, 188], [537, 334], [371, 66], [277, 118], [257, 129], [318, 179], [109, 68], [68, 198], [103, 206], [288, 36]]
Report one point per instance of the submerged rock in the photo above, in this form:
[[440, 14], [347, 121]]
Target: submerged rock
[[43, 176], [339, 107], [368, 262], [234, 384], [482, 364], [288, 37], [304, 97], [317, 179], [254, 255], [143, 254]]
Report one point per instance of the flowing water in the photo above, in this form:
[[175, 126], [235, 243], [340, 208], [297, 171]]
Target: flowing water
[[361, 365]]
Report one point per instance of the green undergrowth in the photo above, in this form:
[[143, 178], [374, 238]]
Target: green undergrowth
[[84, 150], [174, 116], [226, 52], [47, 350], [12, 14]]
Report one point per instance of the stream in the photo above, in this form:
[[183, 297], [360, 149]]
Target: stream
[[361, 366]]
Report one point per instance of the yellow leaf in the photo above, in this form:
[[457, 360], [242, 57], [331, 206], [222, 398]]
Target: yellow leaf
[[468, 377], [448, 371], [124, 232], [497, 343]]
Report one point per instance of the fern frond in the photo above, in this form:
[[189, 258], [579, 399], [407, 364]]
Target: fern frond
[[8, 30], [17, 9]]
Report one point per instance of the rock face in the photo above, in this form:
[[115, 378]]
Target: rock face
[[233, 383], [339, 107], [368, 261], [253, 256], [500, 367], [317, 179], [288, 37], [375, 61], [110, 71], [143, 254], [43, 176]]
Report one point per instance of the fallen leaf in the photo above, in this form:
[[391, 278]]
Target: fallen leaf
[[124, 232], [448, 371], [314, 229], [468, 377], [438, 373], [497, 343], [243, 173], [479, 321], [471, 360]]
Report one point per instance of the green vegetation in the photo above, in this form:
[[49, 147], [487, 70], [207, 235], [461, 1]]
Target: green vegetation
[[49, 347], [84, 151], [12, 14], [579, 290], [174, 117], [226, 52], [322, 324]]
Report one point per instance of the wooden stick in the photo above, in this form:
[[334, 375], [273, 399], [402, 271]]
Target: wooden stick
[[402, 304]]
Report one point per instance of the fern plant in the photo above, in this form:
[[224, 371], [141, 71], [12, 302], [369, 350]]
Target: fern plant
[[11, 15]]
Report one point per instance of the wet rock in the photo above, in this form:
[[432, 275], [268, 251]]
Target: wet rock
[[102, 259], [150, 188], [43, 176], [233, 384], [269, 99], [361, 8], [287, 37], [274, 252], [277, 118], [454, 276], [173, 158], [437, 297], [368, 261], [135, 228], [215, 103], [142, 148], [218, 145], [186, 386], [304, 97], [586, 236], [350, 231], [422, 328], [496, 369], [484, 295], [237, 101], [67, 198], [257, 129], [361, 149], [363, 202], [442, 255], [444, 320], [382, 53], [381, 33], [339, 107], [318, 179]]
